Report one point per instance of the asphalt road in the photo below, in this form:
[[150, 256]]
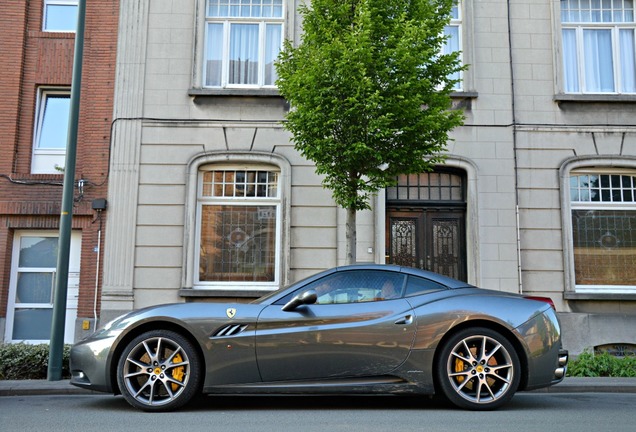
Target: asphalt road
[[545, 412]]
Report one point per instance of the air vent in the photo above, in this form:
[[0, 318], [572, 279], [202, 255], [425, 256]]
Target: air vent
[[230, 330]]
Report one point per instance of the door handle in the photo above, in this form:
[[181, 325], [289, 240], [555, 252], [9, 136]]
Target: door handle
[[405, 320]]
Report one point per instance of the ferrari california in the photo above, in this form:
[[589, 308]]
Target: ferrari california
[[356, 329]]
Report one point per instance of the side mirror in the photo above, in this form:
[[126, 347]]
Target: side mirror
[[307, 297]]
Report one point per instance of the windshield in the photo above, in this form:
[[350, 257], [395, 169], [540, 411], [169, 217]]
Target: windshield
[[295, 285], [267, 296]]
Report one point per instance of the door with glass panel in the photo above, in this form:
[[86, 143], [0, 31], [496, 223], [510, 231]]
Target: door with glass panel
[[425, 223], [32, 287]]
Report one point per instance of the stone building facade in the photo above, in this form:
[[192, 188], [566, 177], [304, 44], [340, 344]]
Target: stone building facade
[[533, 126], [209, 201]]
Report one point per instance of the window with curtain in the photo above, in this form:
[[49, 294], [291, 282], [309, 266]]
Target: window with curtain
[[243, 39], [454, 42], [238, 226], [604, 231], [599, 49]]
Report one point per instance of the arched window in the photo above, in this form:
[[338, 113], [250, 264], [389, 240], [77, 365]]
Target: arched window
[[603, 212], [238, 225]]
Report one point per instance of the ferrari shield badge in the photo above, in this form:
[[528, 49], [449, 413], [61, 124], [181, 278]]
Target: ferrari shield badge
[[230, 312]]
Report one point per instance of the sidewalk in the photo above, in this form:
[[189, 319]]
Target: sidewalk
[[569, 385], [39, 387], [592, 385]]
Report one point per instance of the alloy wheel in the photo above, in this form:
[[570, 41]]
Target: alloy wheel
[[480, 369], [156, 371]]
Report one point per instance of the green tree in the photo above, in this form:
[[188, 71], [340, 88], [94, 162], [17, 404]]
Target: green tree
[[370, 94]]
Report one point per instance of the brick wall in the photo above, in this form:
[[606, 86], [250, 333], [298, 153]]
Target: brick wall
[[31, 59]]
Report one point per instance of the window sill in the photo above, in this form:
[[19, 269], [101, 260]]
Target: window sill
[[464, 95], [212, 293], [47, 34], [594, 98], [225, 92], [463, 99], [598, 296], [274, 93]]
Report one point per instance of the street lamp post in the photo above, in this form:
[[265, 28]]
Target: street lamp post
[[56, 348]]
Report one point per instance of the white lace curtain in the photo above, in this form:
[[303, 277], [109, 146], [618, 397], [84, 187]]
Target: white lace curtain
[[598, 59], [253, 41]]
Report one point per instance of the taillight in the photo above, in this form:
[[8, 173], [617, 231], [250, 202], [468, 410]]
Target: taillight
[[547, 300]]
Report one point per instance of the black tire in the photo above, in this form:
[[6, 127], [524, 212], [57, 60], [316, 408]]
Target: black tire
[[159, 371], [478, 369]]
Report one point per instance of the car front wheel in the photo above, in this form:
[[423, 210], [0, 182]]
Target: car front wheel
[[158, 371], [478, 369]]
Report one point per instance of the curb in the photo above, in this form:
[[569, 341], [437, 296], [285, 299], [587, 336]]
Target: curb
[[40, 388], [592, 385]]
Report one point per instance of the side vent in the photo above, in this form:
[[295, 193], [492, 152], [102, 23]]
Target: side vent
[[230, 330]]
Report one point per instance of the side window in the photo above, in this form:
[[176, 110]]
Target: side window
[[60, 15], [358, 286], [416, 285], [51, 131]]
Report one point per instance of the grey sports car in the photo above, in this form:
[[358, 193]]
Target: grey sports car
[[354, 329]]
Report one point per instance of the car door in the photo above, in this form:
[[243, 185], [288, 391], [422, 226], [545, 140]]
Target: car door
[[354, 329]]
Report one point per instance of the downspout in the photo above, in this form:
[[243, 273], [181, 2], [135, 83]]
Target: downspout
[[514, 146], [99, 249]]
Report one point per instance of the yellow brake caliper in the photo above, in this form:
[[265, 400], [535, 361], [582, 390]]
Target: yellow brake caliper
[[178, 372], [459, 367]]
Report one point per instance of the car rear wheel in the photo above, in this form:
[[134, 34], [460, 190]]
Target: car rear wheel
[[478, 369], [159, 371]]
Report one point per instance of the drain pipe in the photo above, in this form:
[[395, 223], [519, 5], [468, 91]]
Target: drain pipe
[[514, 146], [99, 205], [99, 248], [519, 249]]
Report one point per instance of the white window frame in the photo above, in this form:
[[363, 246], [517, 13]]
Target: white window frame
[[579, 27], [245, 159], [45, 160], [48, 3], [73, 286], [227, 22], [456, 22], [582, 167], [275, 201]]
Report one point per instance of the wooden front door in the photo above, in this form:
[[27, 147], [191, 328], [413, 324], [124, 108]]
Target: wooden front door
[[427, 239], [427, 233]]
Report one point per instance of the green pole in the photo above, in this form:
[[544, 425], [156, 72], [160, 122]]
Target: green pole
[[56, 349]]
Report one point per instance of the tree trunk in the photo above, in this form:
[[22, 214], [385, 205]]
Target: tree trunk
[[351, 236]]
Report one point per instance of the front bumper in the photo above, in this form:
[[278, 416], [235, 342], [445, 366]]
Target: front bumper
[[89, 364]]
